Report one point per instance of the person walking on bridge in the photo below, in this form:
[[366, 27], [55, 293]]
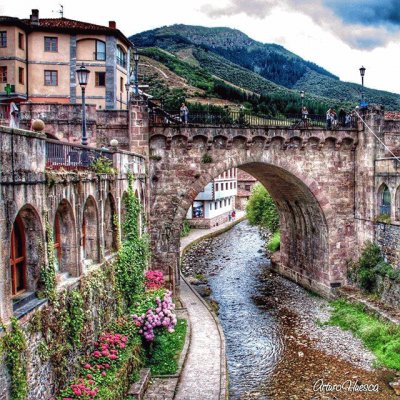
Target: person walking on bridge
[[184, 113]]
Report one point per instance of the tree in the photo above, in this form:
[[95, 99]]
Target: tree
[[261, 209]]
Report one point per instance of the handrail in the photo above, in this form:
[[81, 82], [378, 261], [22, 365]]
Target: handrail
[[160, 117]]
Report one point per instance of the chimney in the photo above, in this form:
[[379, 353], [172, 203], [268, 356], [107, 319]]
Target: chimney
[[112, 24], [35, 17]]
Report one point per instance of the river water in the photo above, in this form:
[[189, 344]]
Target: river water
[[275, 349]]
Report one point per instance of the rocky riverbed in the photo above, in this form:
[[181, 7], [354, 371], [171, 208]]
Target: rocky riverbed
[[277, 344]]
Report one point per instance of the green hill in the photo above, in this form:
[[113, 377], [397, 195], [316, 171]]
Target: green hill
[[266, 69]]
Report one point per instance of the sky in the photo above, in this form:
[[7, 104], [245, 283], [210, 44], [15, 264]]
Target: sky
[[339, 35]]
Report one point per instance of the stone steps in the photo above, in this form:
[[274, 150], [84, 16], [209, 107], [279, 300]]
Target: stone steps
[[138, 389]]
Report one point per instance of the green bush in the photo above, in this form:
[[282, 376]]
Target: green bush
[[382, 338], [274, 243], [261, 209], [185, 228], [366, 270]]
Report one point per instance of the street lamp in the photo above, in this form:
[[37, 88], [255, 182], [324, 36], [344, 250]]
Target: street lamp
[[83, 76], [302, 98], [136, 83], [127, 86], [362, 73]]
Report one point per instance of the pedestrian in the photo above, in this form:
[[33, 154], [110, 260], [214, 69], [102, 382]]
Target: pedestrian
[[14, 116], [333, 117], [347, 120], [304, 116], [233, 215], [342, 117], [229, 217], [184, 113], [328, 119]]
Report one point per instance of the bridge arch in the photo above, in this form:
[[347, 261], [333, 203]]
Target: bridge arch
[[310, 180]]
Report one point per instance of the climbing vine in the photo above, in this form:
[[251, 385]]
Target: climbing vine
[[14, 346], [76, 317], [133, 255], [48, 270]]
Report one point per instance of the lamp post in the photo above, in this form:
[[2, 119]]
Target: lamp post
[[136, 83], [362, 73], [302, 98], [83, 76], [127, 86]]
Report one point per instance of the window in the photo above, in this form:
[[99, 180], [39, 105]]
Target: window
[[210, 206], [226, 185], [234, 185], [385, 201], [121, 84], [216, 187], [100, 54], [3, 39], [229, 201], [57, 243], [224, 202], [231, 185], [21, 75], [247, 187], [18, 257], [3, 74], [100, 78], [51, 44], [21, 40], [50, 78], [216, 205], [121, 57]]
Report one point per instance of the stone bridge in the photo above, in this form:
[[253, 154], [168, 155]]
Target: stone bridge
[[310, 173]]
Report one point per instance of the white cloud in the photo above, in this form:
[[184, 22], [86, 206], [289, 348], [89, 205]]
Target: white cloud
[[306, 30]]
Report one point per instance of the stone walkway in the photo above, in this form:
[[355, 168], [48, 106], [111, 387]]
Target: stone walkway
[[204, 375]]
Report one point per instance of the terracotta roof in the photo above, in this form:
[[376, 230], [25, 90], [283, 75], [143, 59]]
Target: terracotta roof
[[392, 114], [244, 176], [64, 25], [243, 193]]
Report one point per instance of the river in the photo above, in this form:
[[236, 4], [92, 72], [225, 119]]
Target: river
[[276, 346]]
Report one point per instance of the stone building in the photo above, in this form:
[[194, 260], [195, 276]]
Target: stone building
[[39, 58], [215, 203], [245, 184], [48, 188]]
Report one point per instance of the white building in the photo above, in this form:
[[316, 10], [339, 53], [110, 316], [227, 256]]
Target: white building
[[216, 202]]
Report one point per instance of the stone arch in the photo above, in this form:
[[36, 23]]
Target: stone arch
[[110, 228], [384, 203], [304, 212], [64, 232], [90, 232], [26, 251], [397, 203]]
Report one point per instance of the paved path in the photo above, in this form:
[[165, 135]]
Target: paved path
[[196, 234], [204, 375]]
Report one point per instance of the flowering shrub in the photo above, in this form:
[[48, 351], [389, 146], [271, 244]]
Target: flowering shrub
[[154, 279], [103, 359], [161, 316]]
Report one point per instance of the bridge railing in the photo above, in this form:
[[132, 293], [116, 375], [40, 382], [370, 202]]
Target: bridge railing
[[159, 117], [72, 156]]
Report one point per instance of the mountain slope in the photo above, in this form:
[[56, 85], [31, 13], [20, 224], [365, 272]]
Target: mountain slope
[[264, 68]]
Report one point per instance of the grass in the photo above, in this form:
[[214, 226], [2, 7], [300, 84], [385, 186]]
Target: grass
[[166, 350], [382, 338], [274, 243]]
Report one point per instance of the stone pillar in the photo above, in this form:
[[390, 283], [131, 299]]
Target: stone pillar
[[138, 126], [364, 175]]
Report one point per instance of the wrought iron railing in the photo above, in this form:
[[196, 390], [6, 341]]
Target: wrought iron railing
[[72, 157], [159, 117]]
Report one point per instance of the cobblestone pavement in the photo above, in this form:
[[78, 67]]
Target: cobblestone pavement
[[161, 389], [204, 371], [204, 375]]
